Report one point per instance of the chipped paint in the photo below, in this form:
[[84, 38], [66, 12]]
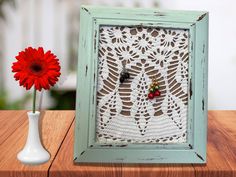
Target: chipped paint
[[106, 145], [190, 89], [94, 97], [201, 17], [142, 14], [191, 45], [203, 107], [122, 145], [82, 153], [148, 159], [151, 24], [137, 26], [86, 70], [95, 40], [95, 36], [190, 146], [86, 10], [120, 159], [200, 157], [159, 14], [151, 159]]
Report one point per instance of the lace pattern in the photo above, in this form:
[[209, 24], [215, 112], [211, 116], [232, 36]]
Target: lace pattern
[[124, 112]]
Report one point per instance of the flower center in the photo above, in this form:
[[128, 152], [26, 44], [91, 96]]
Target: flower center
[[36, 68]]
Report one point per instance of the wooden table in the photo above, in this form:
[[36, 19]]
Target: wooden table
[[58, 138]]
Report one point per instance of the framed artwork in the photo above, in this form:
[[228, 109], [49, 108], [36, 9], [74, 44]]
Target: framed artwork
[[142, 86]]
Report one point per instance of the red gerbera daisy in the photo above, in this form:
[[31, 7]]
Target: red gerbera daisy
[[34, 67]]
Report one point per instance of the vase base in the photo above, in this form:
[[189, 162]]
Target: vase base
[[33, 157]]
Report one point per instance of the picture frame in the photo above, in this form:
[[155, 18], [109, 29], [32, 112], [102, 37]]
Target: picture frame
[[120, 133]]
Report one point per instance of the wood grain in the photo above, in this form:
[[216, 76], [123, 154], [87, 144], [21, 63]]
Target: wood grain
[[55, 125], [63, 165], [221, 149], [57, 128], [10, 121], [154, 170], [221, 159]]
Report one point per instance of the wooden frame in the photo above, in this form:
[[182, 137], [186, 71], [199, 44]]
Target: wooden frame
[[194, 150]]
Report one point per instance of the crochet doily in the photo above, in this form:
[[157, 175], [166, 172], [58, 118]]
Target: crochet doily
[[124, 112]]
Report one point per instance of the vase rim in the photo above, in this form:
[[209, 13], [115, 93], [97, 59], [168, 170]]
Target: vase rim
[[31, 113]]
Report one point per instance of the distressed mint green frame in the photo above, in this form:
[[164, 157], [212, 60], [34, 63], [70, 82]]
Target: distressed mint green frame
[[86, 149]]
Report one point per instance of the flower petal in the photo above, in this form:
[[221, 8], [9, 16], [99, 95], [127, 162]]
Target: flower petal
[[35, 68]]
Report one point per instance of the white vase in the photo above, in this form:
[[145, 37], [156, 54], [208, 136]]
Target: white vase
[[33, 152]]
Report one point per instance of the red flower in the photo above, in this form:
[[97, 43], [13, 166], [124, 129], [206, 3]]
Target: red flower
[[34, 67]]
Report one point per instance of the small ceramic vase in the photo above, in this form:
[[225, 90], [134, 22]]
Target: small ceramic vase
[[33, 152]]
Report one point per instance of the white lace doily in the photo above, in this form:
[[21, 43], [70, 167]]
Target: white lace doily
[[124, 112]]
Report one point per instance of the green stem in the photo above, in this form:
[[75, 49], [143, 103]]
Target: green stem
[[34, 100]]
